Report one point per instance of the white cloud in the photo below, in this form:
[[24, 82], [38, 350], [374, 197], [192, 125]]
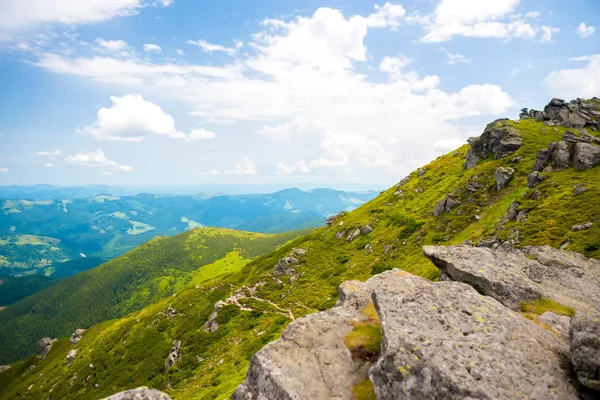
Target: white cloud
[[547, 32], [107, 173], [20, 15], [112, 45], [453, 59], [576, 82], [148, 47], [299, 167], [131, 119], [303, 86], [49, 165], [479, 19], [447, 145], [96, 159], [514, 71], [3, 169], [179, 51], [244, 166], [584, 31], [49, 153], [211, 48]]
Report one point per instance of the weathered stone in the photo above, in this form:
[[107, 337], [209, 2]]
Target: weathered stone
[[332, 218], [310, 360], [585, 348], [535, 178], [284, 266], [45, 345], [512, 213], [498, 140], [559, 323], [219, 304], [71, 356], [561, 157], [585, 156], [353, 235], [340, 234], [471, 159], [578, 189], [445, 341], [140, 393], [421, 171], [447, 204], [365, 230], [299, 252], [76, 336], [513, 276], [582, 227], [503, 176]]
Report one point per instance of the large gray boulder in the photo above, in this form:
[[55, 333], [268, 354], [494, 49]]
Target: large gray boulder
[[71, 356], [498, 140], [585, 156], [45, 345], [585, 348], [513, 276], [310, 360], [503, 176], [555, 158], [446, 341], [76, 336], [140, 393], [447, 204], [284, 266]]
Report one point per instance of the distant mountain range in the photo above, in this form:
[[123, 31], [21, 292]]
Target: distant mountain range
[[66, 234]]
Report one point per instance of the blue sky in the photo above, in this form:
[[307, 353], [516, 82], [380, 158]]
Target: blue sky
[[140, 92]]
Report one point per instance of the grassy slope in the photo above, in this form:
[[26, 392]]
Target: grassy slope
[[157, 269], [131, 351]]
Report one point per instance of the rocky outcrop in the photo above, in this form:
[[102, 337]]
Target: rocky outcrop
[[555, 158], [558, 323], [535, 178], [310, 360], [71, 356], [446, 341], [582, 227], [332, 218], [498, 140], [585, 348], [285, 265], [140, 393], [447, 204], [513, 276], [578, 113], [174, 355], [45, 345], [76, 336], [585, 156], [503, 176]]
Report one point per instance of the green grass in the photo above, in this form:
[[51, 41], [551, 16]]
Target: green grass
[[131, 351], [364, 341], [540, 306], [364, 390]]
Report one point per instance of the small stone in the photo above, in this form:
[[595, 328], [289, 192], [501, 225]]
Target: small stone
[[535, 178], [578, 189], [503, 176], [71, 356], [365, 230], [582, 227]]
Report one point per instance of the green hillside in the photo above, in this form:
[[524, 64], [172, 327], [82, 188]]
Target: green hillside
[[152, 271], [132, 351]]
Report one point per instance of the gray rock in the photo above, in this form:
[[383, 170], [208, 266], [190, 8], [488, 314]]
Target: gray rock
[[365, 230], [497, 140], [512, 213], [353, 235], [219, 304], [299, 252], [447, 204], [332, 218], [582, 227], [535, 178], [45, 345], [340, 234], [561, 157], [445, 341], [284, 266], [471, 159], [140, 393], [76, 336], [578, 189], [585, 348], [585, 156], [71, 356], [421, 171], [310, 360], [513, 276], [559, 323], [4, 368], [503, 176]]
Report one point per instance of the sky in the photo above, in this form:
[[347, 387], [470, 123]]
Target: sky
[[182, 92]]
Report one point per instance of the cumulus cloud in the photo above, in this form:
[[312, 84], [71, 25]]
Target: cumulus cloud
[[48, 165], [149, 47], [547, 32], [244, 166], [3, 169], [584, 31], [480, 19], [576, 82], [455, 58], [179, 51], [112, 45], [132, 119], [299, 167], [302, 85], [49, 153], [96, 159]]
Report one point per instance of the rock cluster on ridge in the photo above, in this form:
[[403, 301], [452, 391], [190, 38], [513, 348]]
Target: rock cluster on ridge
[[498, 140], [140, 393], [577, 113]]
